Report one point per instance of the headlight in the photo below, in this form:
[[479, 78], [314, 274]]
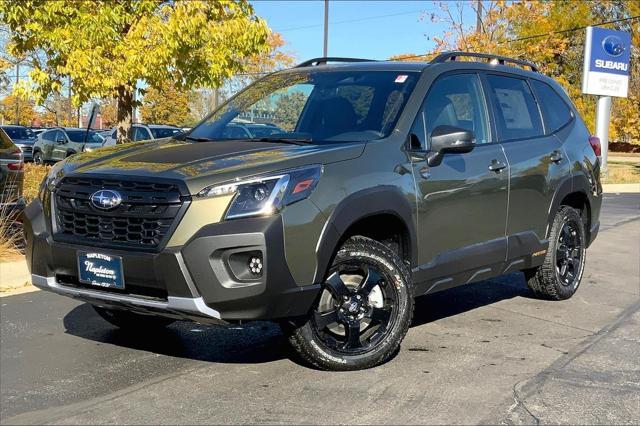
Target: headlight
[[50, 181], [266, 195]]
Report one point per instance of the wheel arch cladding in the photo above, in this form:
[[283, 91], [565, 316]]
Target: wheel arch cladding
[[572, 192], [374, 212]]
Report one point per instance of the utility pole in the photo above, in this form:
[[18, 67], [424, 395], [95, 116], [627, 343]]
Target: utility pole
[[15, 97], [326, 29], [478, 16]]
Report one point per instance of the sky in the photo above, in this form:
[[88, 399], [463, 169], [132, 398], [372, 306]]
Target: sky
[[364, 29]]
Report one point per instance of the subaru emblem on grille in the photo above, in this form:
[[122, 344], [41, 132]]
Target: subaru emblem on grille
[[105, 199]]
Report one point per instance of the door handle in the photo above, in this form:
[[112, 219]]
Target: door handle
[[556, 156], [496, 166]]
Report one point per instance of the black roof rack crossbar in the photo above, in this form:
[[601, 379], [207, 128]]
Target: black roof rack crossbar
[[320, 61], [451, 56]]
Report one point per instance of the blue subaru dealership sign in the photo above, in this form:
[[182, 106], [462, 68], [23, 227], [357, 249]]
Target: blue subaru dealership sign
[[606, 62]]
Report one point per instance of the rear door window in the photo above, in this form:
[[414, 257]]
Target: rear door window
[[516, 111], [555, 111]]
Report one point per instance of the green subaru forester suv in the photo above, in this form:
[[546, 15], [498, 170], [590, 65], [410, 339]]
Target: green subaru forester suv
[[386, 181]]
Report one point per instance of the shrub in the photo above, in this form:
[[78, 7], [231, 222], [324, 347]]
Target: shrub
[[33, 176]]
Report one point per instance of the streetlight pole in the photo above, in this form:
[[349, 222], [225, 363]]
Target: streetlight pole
[[326, 28]]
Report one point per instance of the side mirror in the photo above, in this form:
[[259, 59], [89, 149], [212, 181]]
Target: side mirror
[[449, 139], [61, 141]]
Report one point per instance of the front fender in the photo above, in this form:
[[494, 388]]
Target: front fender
[[383, 199]]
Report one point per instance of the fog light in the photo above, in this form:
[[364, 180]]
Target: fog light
[[255, 265]]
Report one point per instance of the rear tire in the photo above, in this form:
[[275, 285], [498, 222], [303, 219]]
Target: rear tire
[[559, 277], [363, 312], [131, 321]]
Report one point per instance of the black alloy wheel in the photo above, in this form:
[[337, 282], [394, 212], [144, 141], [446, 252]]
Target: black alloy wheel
[[37, 158], [569, 254], [358, 315], [559, 276], [363, 311]]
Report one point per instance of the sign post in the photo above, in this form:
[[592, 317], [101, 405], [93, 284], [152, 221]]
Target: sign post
[[605, 73]]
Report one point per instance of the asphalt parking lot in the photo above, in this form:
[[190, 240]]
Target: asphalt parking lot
[[484, 353]]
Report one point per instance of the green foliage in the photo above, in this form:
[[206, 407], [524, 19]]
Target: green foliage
[[288, 109], [165, 106], [107, 46]]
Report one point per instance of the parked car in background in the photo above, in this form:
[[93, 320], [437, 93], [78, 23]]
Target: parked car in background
[[144, 132], [242, 130], [23, 137], [61, 142], [105, 133], [11, 176]]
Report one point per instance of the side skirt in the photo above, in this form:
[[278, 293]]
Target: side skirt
[[480, 262]]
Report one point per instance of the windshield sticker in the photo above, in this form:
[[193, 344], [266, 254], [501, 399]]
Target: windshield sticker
[[401, 78]]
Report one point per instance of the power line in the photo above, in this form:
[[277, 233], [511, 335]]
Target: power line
[[569, 30]]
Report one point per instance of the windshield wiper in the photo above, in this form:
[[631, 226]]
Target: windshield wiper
[[191, 138], [295, 141]]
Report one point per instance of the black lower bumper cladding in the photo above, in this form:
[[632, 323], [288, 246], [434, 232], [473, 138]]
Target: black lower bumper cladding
[[191, 282]]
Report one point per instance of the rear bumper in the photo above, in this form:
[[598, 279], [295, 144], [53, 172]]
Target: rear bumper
[[194, 281]]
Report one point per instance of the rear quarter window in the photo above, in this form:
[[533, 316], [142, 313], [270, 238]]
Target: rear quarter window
[[555, 111], [515, 108]]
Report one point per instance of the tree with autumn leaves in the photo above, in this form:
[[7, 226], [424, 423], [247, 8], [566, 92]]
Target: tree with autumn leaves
[[107, 46], [168, 105], [550, 34]]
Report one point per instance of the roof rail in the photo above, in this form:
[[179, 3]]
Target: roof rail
[[452, 56], [321, 61]]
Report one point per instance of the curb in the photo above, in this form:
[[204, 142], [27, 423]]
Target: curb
[[14, 278], [27, 288], [621, 188]]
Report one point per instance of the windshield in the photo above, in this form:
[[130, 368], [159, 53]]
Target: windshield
[[19, 133], [163, 132], [78, 136], [314, 106]]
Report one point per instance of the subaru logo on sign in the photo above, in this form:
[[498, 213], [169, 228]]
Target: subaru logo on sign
[[105, 199], [613, 45]]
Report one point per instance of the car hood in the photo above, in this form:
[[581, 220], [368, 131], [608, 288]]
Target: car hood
[[200, 164]]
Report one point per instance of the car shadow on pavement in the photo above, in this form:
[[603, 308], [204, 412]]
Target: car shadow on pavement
[[261, 342], [250, 343], [468, 297]]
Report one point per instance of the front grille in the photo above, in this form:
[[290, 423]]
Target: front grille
[[26, 148], [142, 221]]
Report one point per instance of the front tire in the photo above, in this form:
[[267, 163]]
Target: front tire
[[131, 321], [558, 278], [363, 313], [38, 158]]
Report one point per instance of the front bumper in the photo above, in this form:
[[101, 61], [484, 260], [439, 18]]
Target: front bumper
[[187, 308], [193, 281]]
